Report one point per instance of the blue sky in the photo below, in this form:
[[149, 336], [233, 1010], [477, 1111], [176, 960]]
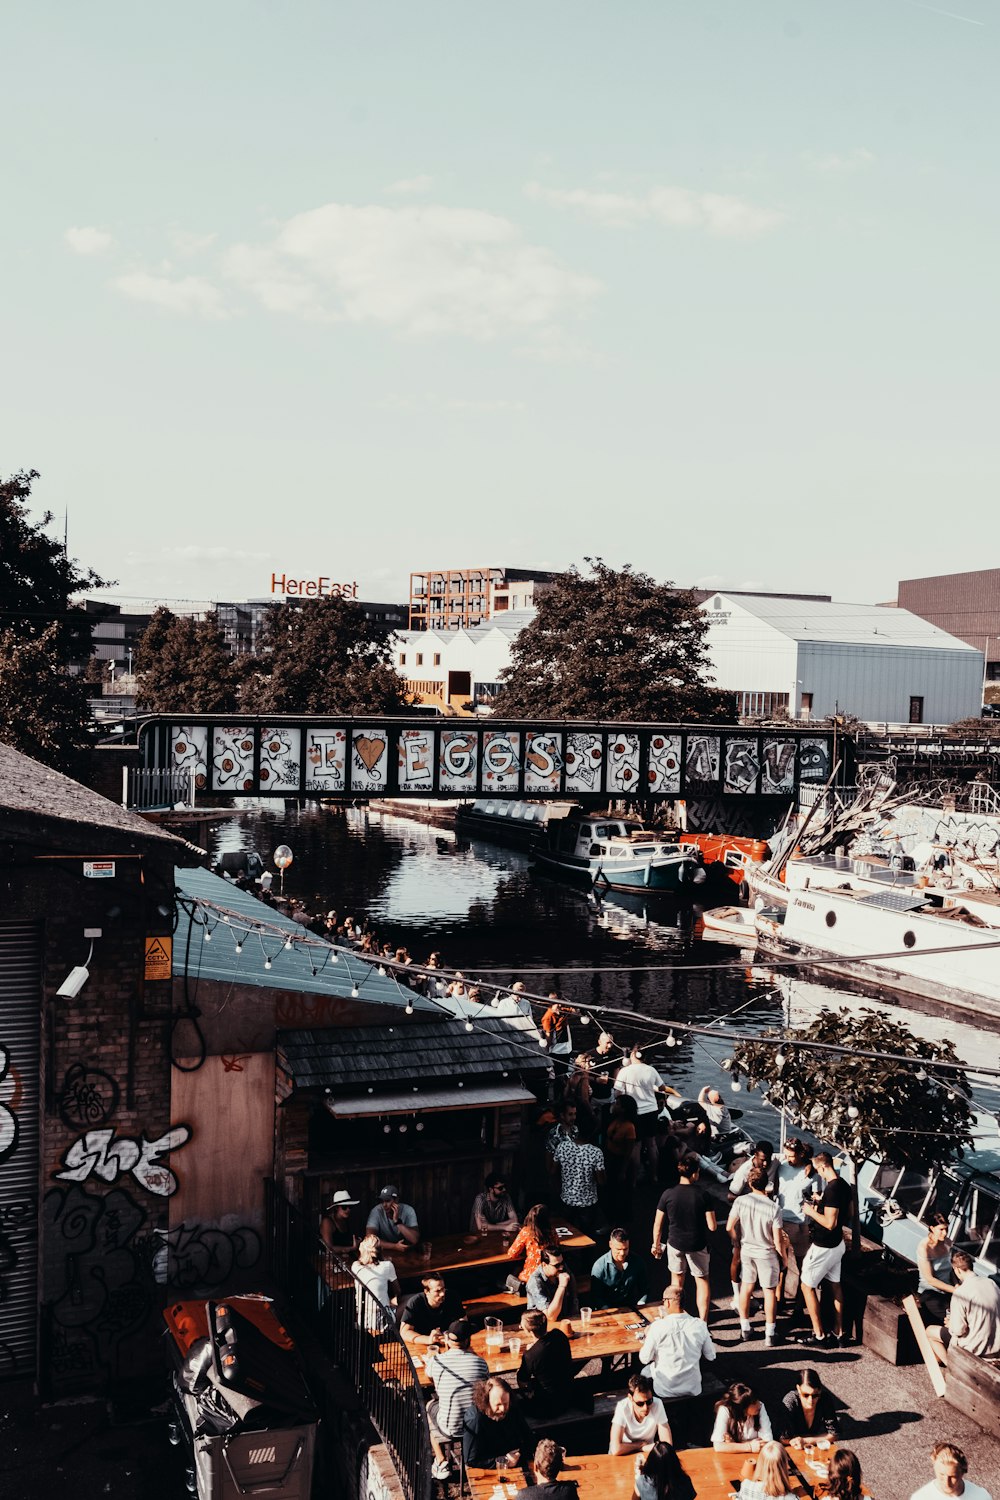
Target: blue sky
[[704, 285]]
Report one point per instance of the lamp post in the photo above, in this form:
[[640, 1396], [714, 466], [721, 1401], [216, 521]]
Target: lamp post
[[986, 653]]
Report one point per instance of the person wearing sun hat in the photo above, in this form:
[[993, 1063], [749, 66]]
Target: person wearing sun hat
[[335, 1225], [395, 1223]]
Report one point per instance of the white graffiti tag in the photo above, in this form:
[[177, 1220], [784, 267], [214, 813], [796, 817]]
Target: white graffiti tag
[[99, 1154]]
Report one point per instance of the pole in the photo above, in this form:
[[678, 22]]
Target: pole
[[986, 652]]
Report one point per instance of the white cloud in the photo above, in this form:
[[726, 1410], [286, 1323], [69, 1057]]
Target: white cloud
[[674, 207], [187, 243], [185, 294], [417, 269], [833, 161], [86, 240], [411, 187]]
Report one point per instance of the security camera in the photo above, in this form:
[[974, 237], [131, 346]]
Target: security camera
[[74, 982]]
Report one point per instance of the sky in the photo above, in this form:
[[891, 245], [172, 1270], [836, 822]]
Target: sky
[[705, 286]]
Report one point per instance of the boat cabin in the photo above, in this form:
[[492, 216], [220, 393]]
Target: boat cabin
[[608, 838], [897, 1203]]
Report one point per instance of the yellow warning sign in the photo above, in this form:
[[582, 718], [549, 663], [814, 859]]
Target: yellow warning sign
[[158, 957]]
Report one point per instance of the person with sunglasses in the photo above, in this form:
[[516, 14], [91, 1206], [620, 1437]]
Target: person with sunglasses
[[808, 1410], [493, 1208], [552, 1288], [640, 1419]]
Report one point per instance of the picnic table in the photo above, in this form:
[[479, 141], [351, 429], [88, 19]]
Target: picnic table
[[612, 1333], [473, 1252], [715, 1476]]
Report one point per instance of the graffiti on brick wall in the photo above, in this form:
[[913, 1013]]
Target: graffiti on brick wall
[[88, 1097], [203, 1255], [94, 1287], [105, 1155]]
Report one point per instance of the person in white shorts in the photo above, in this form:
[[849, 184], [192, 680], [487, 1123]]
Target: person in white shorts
[[826, 1217], [755, 1224]]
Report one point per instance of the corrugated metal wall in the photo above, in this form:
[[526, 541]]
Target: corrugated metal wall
[[876, 682], [20, 1011]]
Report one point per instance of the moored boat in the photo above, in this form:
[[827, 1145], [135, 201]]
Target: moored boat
[[727, 855], [600, 852], [502, 821], [731, 923]]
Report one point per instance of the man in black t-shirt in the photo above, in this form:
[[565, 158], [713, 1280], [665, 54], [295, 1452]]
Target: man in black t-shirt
[[686, 1216], [826, 1217], [426, 1314]]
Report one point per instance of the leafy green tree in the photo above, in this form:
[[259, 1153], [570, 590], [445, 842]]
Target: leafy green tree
[[37, 579], [614, 645], [864, 1100], [43, 711], [322, 656], [183, 665]]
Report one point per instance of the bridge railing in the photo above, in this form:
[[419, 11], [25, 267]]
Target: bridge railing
[[158, 789]]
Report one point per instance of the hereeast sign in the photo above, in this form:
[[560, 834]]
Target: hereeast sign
[[312, 588]]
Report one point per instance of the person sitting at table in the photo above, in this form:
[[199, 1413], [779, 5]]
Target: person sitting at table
[[808, 1410], [674, 1347], [547, 1463], [531, 1239], [936, 1285], [659, 1475], [495, 1427], [844, 1476], [426, 1314], [769, 1476], [742, 1424], [552, 1289], [618, 1279], [545, 1375], [493, 1208], [454, 1373], [640, 1419], [395, 1223], [335, 1225]]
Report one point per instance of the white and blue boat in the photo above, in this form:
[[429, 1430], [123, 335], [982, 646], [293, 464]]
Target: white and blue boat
[[619, 855]]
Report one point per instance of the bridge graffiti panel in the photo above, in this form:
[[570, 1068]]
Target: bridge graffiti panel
[[394, 757]]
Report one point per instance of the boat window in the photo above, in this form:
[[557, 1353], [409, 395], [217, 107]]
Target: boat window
[[608, 831], [913, 1190], [831, 919], [586, 832], [885, 1179], [669, 849], [944, 1197], [977, 1228], [733, 859], [597, 848]]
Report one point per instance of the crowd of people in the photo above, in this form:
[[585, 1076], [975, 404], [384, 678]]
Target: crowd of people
[[614, 1122]]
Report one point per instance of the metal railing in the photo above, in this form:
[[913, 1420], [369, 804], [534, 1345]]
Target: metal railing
[[145, 790], [360, 1335]]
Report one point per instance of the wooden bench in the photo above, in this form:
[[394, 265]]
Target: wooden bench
[[508, 1306], [972, 1384]]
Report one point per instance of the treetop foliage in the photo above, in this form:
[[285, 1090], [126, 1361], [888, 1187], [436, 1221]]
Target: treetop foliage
[[612, 645], [184, 665], [866, 1106], [322, 656], [43, 712]]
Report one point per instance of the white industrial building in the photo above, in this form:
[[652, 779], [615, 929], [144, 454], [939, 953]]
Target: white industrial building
[[457, 668], [813, 658]]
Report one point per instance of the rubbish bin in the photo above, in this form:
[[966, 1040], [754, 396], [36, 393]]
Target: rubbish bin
[[241, 1405]]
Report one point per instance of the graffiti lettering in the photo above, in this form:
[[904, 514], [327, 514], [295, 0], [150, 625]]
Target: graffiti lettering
[[201, 1255], [98, 1153], [9, 1128], [87, 1097], [94, 1288]]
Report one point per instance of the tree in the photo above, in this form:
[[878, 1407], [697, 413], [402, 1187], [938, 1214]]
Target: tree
[[868, 1106], [183, 665], [43, 711], [614, 645], [37, 578], [324, 657]]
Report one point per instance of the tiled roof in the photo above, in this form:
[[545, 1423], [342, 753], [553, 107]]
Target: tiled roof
[[291, 968], [442, 1051], [30, 790]]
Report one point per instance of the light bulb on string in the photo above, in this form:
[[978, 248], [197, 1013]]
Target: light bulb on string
[[468, 1025], [409, 1007], [354, 992], [267, 963], [225, 919], [207, 934], [419, 1125], [386, 1129], [921, 1076], [288, 943], [381, 969], [671, 1039], [239, 946], [779, 1059], [852, 1111], [584, 1020], [335, 957], [736, 1086]]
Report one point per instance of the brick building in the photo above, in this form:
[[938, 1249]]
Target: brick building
[[85, 1127], [967, 605]]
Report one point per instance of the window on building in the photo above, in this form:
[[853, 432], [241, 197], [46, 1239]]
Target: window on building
[[749, 705], [437, 658], [916, 710], [402, 658], [420, 658], [501, 601]]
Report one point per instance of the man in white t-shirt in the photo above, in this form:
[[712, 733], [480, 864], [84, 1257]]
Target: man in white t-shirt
[[673, 1349], [640, 1419], [643, 1084], [950, 1469]]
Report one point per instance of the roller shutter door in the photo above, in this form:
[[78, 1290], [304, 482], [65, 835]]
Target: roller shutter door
[[20, 1012]]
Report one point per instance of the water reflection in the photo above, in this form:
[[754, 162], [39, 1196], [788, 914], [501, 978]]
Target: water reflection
[[488, 913]]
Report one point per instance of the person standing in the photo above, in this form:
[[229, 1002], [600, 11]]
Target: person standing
[[826, 1219], [685, 1216], [950, 1468], [643, 1083], [581, 1177], [754, 1224]]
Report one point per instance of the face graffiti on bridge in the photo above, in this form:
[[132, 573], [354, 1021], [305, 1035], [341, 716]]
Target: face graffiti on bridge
[[98, 1153]]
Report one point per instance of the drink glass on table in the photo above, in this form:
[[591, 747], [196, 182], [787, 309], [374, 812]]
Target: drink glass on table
[[426, 1250], [514, 1345], [586, 1313]]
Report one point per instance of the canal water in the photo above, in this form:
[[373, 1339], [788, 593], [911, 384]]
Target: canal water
[[486, 911]]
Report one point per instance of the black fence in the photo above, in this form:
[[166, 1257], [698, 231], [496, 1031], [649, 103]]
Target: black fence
[[360, 1335]]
